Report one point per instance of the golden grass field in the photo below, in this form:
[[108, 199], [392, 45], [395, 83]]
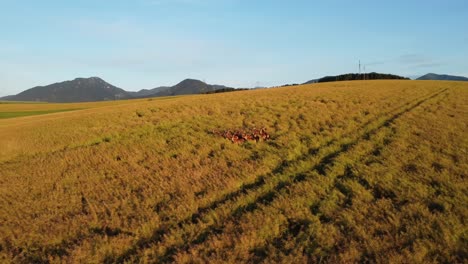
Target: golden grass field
[[362, 171]]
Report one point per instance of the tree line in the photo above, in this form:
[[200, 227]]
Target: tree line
[[361, 76]]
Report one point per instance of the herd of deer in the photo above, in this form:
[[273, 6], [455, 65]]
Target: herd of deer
[[243, 135]]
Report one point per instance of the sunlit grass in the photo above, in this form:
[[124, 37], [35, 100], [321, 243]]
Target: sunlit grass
[[354, 172]]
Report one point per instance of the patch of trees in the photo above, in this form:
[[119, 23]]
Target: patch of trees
[[362, 76], [292, 84], [226, 90]]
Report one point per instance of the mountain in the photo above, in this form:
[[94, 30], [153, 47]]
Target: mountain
[[312, 81], [189, 86], [357, 76], [96, 89], [7, 98], [148, 92], [442, 77], [77, 90], [227, 90]]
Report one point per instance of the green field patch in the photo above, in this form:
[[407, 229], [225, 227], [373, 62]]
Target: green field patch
[[4, 115], [21, 102]]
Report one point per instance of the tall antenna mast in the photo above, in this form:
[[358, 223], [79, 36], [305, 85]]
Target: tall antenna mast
[[359, 67]]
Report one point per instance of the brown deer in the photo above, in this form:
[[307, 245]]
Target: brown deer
[[243, 135], [264, 134]]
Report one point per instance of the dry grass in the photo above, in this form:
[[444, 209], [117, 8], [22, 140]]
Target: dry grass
[[354, 172]]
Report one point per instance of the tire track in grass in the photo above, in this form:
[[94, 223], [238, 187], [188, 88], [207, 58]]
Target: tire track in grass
[[296, 227], [324, 167], [263, 199], [243, 190], [63, 248]]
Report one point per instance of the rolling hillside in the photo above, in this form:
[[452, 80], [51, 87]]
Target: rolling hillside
[[357, 76], [148, 92], [77, 90], [95, 89], [189, 86], [442, 77], [353, 172]]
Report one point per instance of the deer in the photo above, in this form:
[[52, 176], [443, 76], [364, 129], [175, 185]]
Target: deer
[[243, 135]]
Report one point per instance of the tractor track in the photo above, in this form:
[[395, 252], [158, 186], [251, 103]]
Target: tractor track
[[296, 226], [267, 196]]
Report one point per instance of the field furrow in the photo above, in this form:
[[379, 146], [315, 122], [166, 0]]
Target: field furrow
[[352, 169], [255, 196], [345, 180]]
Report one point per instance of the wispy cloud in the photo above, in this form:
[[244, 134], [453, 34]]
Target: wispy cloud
[[109, 28], [428, 65], [417, 60], [412, 58], [177, 2], [144, 47], [374, 63]]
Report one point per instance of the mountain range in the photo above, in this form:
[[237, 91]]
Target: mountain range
[[442, 77], [96, 89], [148, 92], [188, 86]]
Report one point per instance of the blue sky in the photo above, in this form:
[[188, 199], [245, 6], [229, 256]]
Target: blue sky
[[242, 43]]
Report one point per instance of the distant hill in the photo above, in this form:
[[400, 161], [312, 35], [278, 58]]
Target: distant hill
[[96, 89], [149, 92], [77, 90], [442, 77], [312, 81], [189, 86], [7, 98], [357, 76], [227, 90]]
